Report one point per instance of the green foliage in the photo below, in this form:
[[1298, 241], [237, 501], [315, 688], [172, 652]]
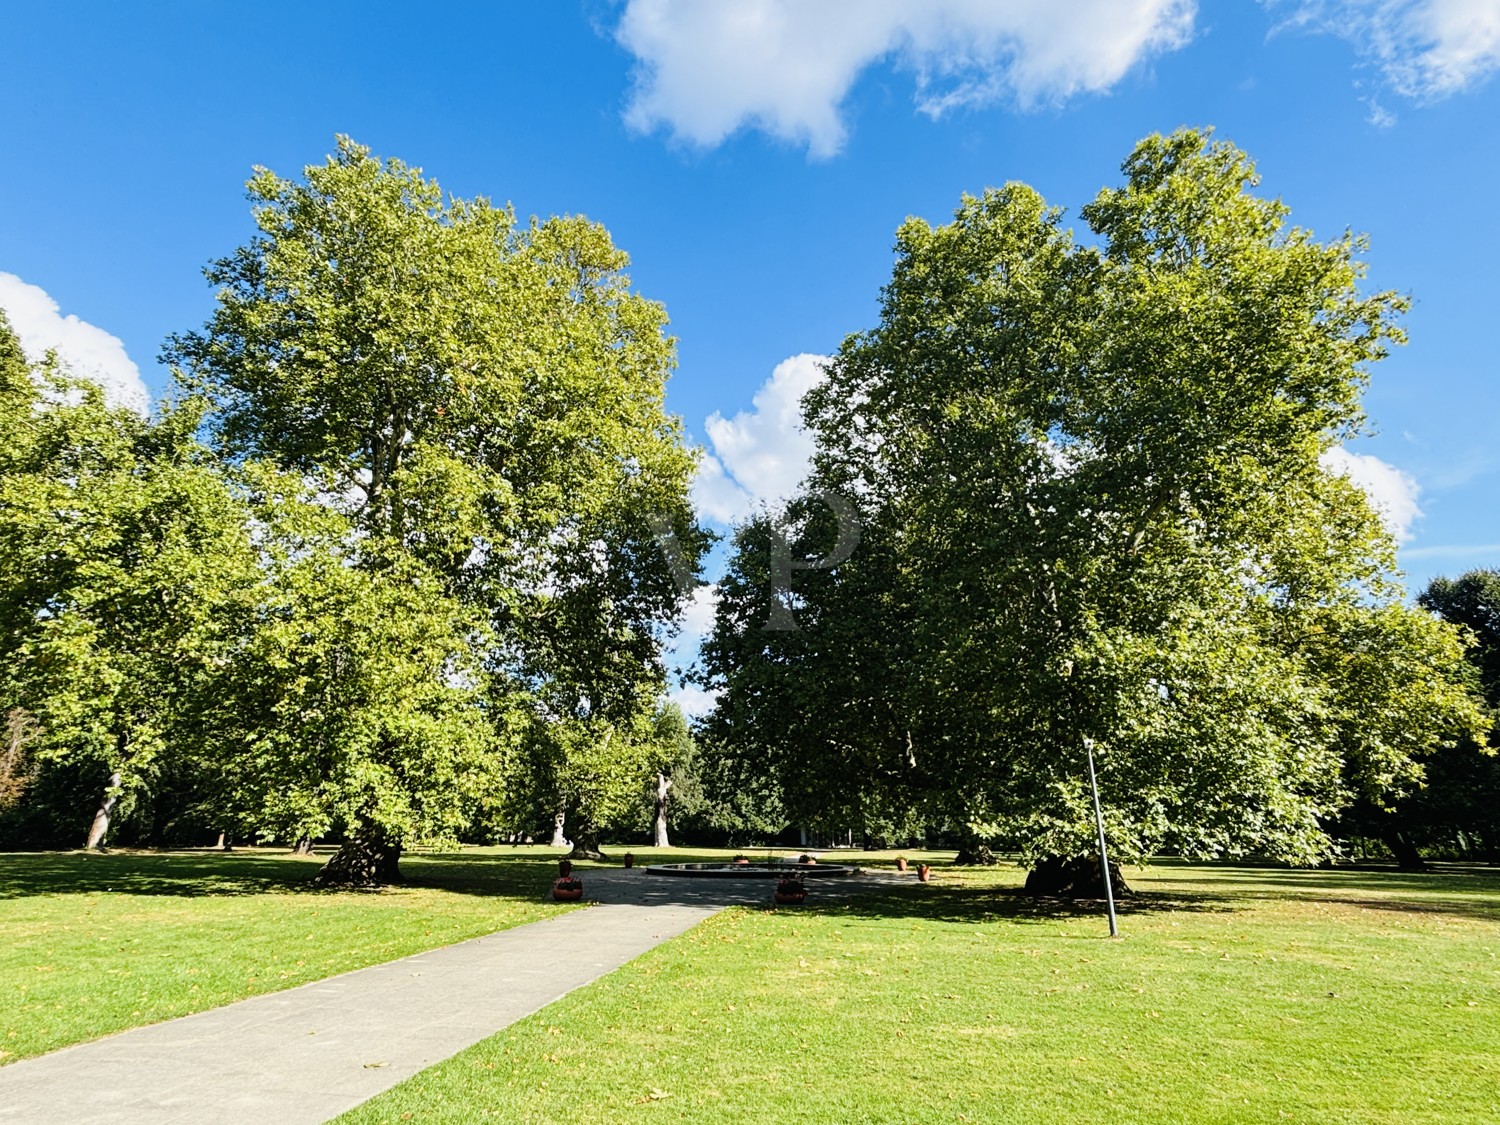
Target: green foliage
[[121, 549], [1457, 810], [1472, 601], [353, 700], [482, 400], [1094, 514]]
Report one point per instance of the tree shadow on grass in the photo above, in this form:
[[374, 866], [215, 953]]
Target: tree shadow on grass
[[197, 874], [1470, 893], [947, 903]]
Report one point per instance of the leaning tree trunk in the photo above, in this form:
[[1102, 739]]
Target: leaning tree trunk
[[362, 861], [974, 852], [586, 844], [100, 827], [303, 846], [663, 787], [1074, 877]]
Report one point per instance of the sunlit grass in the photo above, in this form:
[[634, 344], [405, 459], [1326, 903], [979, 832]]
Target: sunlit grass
[[93, 944], [1234, 995]]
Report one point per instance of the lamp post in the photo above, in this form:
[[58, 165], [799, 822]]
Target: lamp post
[[1109, 891]]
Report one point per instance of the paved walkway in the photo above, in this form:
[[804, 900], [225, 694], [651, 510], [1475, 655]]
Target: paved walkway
[[305, 1055]]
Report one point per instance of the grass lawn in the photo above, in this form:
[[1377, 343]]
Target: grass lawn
[[93, 944], [1236, 995]]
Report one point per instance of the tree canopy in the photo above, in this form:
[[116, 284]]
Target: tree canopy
[[483, 399], [393, 551], [1094, 514], [122, 552]]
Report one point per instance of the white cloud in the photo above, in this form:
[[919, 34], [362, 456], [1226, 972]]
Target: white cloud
[[86, 351], [759, 456], [695, 624], [694, 701], [1392, 492], [1427, 49], [709, 67], [698, 615], [1454, 551], [715, 494]]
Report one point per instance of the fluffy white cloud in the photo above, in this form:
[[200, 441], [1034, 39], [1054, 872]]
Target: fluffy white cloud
[[761, 455], [1426, 48], [1392, 491], [694, 701], [709, 67], [696, 622], [86, 351], [698, 616]]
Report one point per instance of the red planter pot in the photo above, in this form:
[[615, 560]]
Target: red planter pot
[[924, 873], [567, 890]]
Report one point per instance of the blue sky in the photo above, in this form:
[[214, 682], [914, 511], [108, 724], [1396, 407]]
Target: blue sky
[[755, 157]]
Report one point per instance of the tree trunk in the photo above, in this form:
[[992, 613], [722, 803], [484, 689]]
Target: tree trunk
[[586, 845], [559, 840], [1074, 877], [663, 787], [975, 854], [362, 861], [1407, 856], [303, 846], [100, 827]]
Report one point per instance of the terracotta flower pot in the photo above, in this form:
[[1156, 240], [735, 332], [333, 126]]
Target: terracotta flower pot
[[924, 873], [567, 889], [900, 863], [790, 892], [741, 861], [629, 860]]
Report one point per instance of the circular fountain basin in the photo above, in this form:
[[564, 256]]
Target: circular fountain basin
[[762, 870]]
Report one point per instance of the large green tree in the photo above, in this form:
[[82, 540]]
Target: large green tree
[[1094, 516], [121, 547], [1457, 808], [353, 700], [483, 398]]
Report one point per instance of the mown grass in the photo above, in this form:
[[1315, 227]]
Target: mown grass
[[1235, 995], [93, 944]]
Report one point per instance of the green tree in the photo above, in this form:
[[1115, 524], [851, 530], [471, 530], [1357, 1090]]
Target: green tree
[[355, 702], [675, 787], [1094, 516], [120, 544], [483, 399], [1457, 808]]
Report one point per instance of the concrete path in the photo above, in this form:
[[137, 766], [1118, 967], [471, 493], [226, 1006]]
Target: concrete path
[[307, 1054]]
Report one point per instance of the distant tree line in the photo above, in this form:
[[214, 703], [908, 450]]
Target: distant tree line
[[387, 565]]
